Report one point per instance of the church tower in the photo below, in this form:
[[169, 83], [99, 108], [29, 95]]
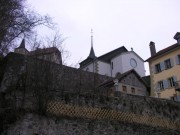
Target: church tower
[[91, 56], [22, 49]]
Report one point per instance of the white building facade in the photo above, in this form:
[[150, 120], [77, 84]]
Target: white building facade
[[113, 63]]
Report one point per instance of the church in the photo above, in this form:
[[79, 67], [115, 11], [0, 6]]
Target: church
[[113, 63]]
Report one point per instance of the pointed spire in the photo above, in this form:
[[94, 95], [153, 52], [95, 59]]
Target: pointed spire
[[22, 45], [91, 37], [92, 54]]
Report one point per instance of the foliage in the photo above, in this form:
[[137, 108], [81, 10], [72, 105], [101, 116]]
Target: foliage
[[16, 21]]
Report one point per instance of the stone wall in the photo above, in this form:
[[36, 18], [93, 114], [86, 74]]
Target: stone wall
[[140, 105], [17, 68], [32, 124], [26, 82]]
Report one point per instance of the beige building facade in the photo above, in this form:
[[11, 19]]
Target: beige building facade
[[165, 71]]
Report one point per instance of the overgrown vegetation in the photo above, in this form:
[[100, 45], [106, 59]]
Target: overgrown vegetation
[[17, 21]]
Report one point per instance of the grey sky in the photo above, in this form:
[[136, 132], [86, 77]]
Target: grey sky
[[132, 23]]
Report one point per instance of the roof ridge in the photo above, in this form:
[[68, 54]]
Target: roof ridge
[[112, 54], [113, 51]]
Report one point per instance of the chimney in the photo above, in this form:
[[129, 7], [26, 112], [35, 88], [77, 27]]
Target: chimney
[[152, 48], [177, 37]]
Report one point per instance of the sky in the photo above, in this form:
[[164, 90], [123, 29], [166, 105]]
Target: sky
[[115, 23]]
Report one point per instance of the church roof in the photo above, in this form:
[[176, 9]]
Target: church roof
[[92, 54], [108, 56]]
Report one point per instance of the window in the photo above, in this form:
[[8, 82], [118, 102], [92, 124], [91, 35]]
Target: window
[[160, 85], [171, 82], [158, 68], [178, 59], [167, 63], [124, 88], [133, 90], [165, 84], [111, 65]]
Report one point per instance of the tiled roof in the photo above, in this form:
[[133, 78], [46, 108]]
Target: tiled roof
[[163, 51]]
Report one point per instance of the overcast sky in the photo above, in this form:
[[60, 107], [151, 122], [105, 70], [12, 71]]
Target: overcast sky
[[129, 23]]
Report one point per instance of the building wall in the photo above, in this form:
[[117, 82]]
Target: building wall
[[21, 51], [52, 57], [89, 68], [122, 64], [99, 67], [131, 81], [126, 57], [138, 90], [167, 73], [117, 65], [104, 68]]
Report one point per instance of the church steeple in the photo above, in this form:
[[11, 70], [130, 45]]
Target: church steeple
[[22, 48], [92, 54], [22, 45]]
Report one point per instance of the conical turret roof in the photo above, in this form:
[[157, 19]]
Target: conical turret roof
[[92, 54], [22, 45]]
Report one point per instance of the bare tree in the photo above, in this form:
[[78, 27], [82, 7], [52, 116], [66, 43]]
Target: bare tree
[[16, 20], [55, 40]]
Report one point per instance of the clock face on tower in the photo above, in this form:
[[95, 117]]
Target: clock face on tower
[[133, 63]]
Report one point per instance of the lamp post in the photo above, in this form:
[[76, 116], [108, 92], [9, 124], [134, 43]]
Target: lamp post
[[158, 92], [116, 84]]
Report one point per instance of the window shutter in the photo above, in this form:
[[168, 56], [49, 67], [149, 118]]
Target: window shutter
[[172, 62], [154, 69], [162, 66], [177, 60], [165, 83], [175, 80]]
